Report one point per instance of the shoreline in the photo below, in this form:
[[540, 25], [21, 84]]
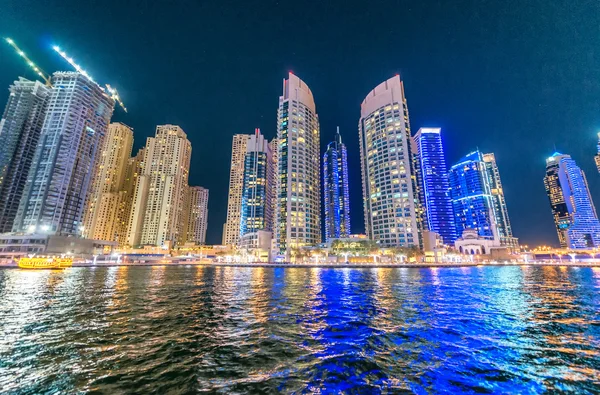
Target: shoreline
[[328, 266]]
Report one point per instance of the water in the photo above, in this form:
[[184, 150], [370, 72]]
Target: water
[[272, 330]]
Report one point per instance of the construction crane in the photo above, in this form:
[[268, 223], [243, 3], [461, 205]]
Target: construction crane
[[115, 96], [33, 66], [111, 91]]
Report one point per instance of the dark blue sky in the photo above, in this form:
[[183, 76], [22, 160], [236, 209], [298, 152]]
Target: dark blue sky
[[511, 77]]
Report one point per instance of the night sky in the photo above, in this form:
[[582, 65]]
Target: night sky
[[516, 78]]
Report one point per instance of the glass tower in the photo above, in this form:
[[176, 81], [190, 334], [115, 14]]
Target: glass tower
[[434, 184], [573, 210], [20, 130], [336, 191], [472, 198], [256, 209], [500, 210], [66, 157]]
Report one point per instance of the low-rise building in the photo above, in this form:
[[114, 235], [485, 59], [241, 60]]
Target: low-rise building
[[15, 246]]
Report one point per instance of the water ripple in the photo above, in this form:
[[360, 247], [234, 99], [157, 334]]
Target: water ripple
[[300, 330]]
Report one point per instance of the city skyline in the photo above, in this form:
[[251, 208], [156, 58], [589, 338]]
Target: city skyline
[[449, 96]]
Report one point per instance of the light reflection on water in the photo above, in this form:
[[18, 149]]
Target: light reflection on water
[[230, 330]]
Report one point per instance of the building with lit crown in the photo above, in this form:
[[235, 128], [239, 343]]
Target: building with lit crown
[[231, 228], [104, 213], [390, 190], [20, 129], [157, 214], [434, 185], [298, 212], [336, 193], [572, 207], [257, 207], [61, 172], [472, 198]]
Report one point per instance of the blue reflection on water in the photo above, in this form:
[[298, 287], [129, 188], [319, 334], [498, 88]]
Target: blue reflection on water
[[235, 330]]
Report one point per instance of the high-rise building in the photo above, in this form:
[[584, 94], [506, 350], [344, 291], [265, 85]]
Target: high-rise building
[[573, 210], [472, 197], [231, 228], [336, 190], [159, 199], [256, 209], [135, 168], [272, 178], [434, 184], [500, 210], [298, 213], [390, 194], [20, 130], [195, 216], [60, 176], [597, 157], [105, 214]]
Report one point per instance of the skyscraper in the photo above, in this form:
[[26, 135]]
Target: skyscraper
[[597, 157], [336, 191], [298, 213], [196, 216], [500, 210], [20, 130], [104, 211], [573, 210], [434, 184], [159, 199], [58, 183], [257, 208], [231, 228], [135, 168], [472, 197], [390, 194]]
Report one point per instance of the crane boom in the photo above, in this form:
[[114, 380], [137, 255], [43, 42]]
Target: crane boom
[[30, 63], [113, 92]]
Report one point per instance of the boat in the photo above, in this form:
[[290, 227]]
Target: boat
[[45, 263]]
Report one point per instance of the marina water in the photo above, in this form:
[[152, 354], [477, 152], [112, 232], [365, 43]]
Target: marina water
[[170, 329]]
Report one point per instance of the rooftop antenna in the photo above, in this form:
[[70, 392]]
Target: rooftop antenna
[[29, 62], [112, 91]]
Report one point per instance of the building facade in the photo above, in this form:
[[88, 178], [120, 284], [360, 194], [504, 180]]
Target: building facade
[[20, 130], [390, 194], [135, 168], [572, 207], [472, 198], [499, 202], [434, 184], [298, 212], [335, 189], [257, 207], [231, 228], [195, 216], [159, 199], [104, 208], [59, 180]]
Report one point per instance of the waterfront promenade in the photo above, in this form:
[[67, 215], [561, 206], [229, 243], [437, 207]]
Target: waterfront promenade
[[365, 265]]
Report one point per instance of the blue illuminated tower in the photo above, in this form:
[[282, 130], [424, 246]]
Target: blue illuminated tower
[[256, 211], [472, 197], [336, 192], [573, 210], [434, 184]]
